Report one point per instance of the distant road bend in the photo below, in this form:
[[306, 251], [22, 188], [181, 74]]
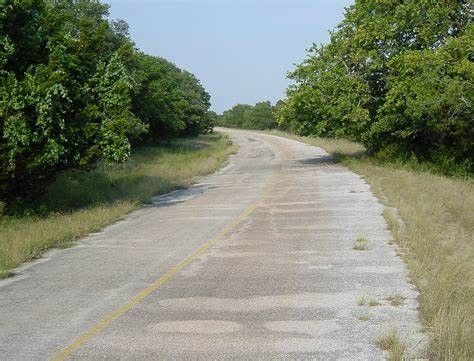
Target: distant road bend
[[255, 262]]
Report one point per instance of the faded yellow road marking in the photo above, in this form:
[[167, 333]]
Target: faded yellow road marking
[[99, 326]]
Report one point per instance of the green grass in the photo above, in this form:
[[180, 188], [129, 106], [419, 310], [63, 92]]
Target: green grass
[[80, 202], [432, 219]]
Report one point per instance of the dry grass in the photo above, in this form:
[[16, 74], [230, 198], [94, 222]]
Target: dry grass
[[434, 226], [361, 244], [373, 303], [436, 239], [369, 302], [396, 300], [79, 203], [361, 301], [335, 147], [392, 344]]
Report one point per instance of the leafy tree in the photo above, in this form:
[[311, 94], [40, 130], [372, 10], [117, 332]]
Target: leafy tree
[[119, 124], [259, 116], [158, 99], [74, 90], [428, 107], [65, 94], [213, 119], [235, 117], [196, 105], [396, 76], [327, 100], [171, 101]]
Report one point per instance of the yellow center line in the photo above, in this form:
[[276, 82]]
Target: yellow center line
[[103, 323]]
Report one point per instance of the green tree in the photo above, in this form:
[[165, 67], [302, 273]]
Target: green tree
[[171, 101], [396, 76], [258, 116], [235, 117], [261, 116], [65, 92], [428, 108]]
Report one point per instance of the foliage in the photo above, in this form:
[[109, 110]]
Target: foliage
[[171, 101], [259, 116], [428, 105], [396, 76], [74, 90]]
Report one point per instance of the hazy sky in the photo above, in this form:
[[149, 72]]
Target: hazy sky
[[241, 50]]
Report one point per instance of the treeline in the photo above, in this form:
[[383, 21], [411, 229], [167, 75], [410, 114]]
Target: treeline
[[397, 76], [258, 116], [74, 90]]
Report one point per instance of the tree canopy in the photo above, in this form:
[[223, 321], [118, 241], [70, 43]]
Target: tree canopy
[[258, 116], [397, 76], [74, 90]]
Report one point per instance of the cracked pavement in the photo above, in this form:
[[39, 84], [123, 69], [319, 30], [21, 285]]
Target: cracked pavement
[[254, 262]]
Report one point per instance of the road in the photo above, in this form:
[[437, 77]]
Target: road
[[254, 262]]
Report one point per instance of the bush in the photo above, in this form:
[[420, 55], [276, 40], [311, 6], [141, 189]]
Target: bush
[[396, 76]]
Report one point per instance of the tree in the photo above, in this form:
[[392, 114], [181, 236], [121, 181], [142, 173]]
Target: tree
[[396, 76], [65, 93], [172, 102], [259, 116], [74, 91], [428, 107]]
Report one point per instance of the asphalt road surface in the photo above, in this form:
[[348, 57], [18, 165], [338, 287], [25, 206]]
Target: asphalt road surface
[[254, 262]]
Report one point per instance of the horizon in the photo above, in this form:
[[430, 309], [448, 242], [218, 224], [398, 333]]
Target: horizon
[[236, 63]]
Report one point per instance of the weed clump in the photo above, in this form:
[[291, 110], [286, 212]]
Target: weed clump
[[392, 344], [361, 244]]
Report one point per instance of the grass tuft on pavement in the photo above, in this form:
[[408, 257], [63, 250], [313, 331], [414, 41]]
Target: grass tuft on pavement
[[432, 219], [361, 244], [392, 344], [396, 300], [81, 202]]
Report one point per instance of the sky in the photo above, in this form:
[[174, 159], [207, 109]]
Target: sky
[[241, 50]]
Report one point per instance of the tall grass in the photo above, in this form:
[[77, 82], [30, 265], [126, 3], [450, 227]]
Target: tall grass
[[432, 220], [80, 202], [436, 237]]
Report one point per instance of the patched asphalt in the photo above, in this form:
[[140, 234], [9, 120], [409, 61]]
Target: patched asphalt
[[254, 262]]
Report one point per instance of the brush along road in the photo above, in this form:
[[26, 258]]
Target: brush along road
[[254, 262]]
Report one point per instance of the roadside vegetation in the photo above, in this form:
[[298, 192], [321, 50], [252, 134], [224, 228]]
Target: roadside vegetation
[[397, 80], [75, 92], [80, 202], [431, 218], [395, 348], [396, 76], [260, 116], [89, 125], [361, 244]]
